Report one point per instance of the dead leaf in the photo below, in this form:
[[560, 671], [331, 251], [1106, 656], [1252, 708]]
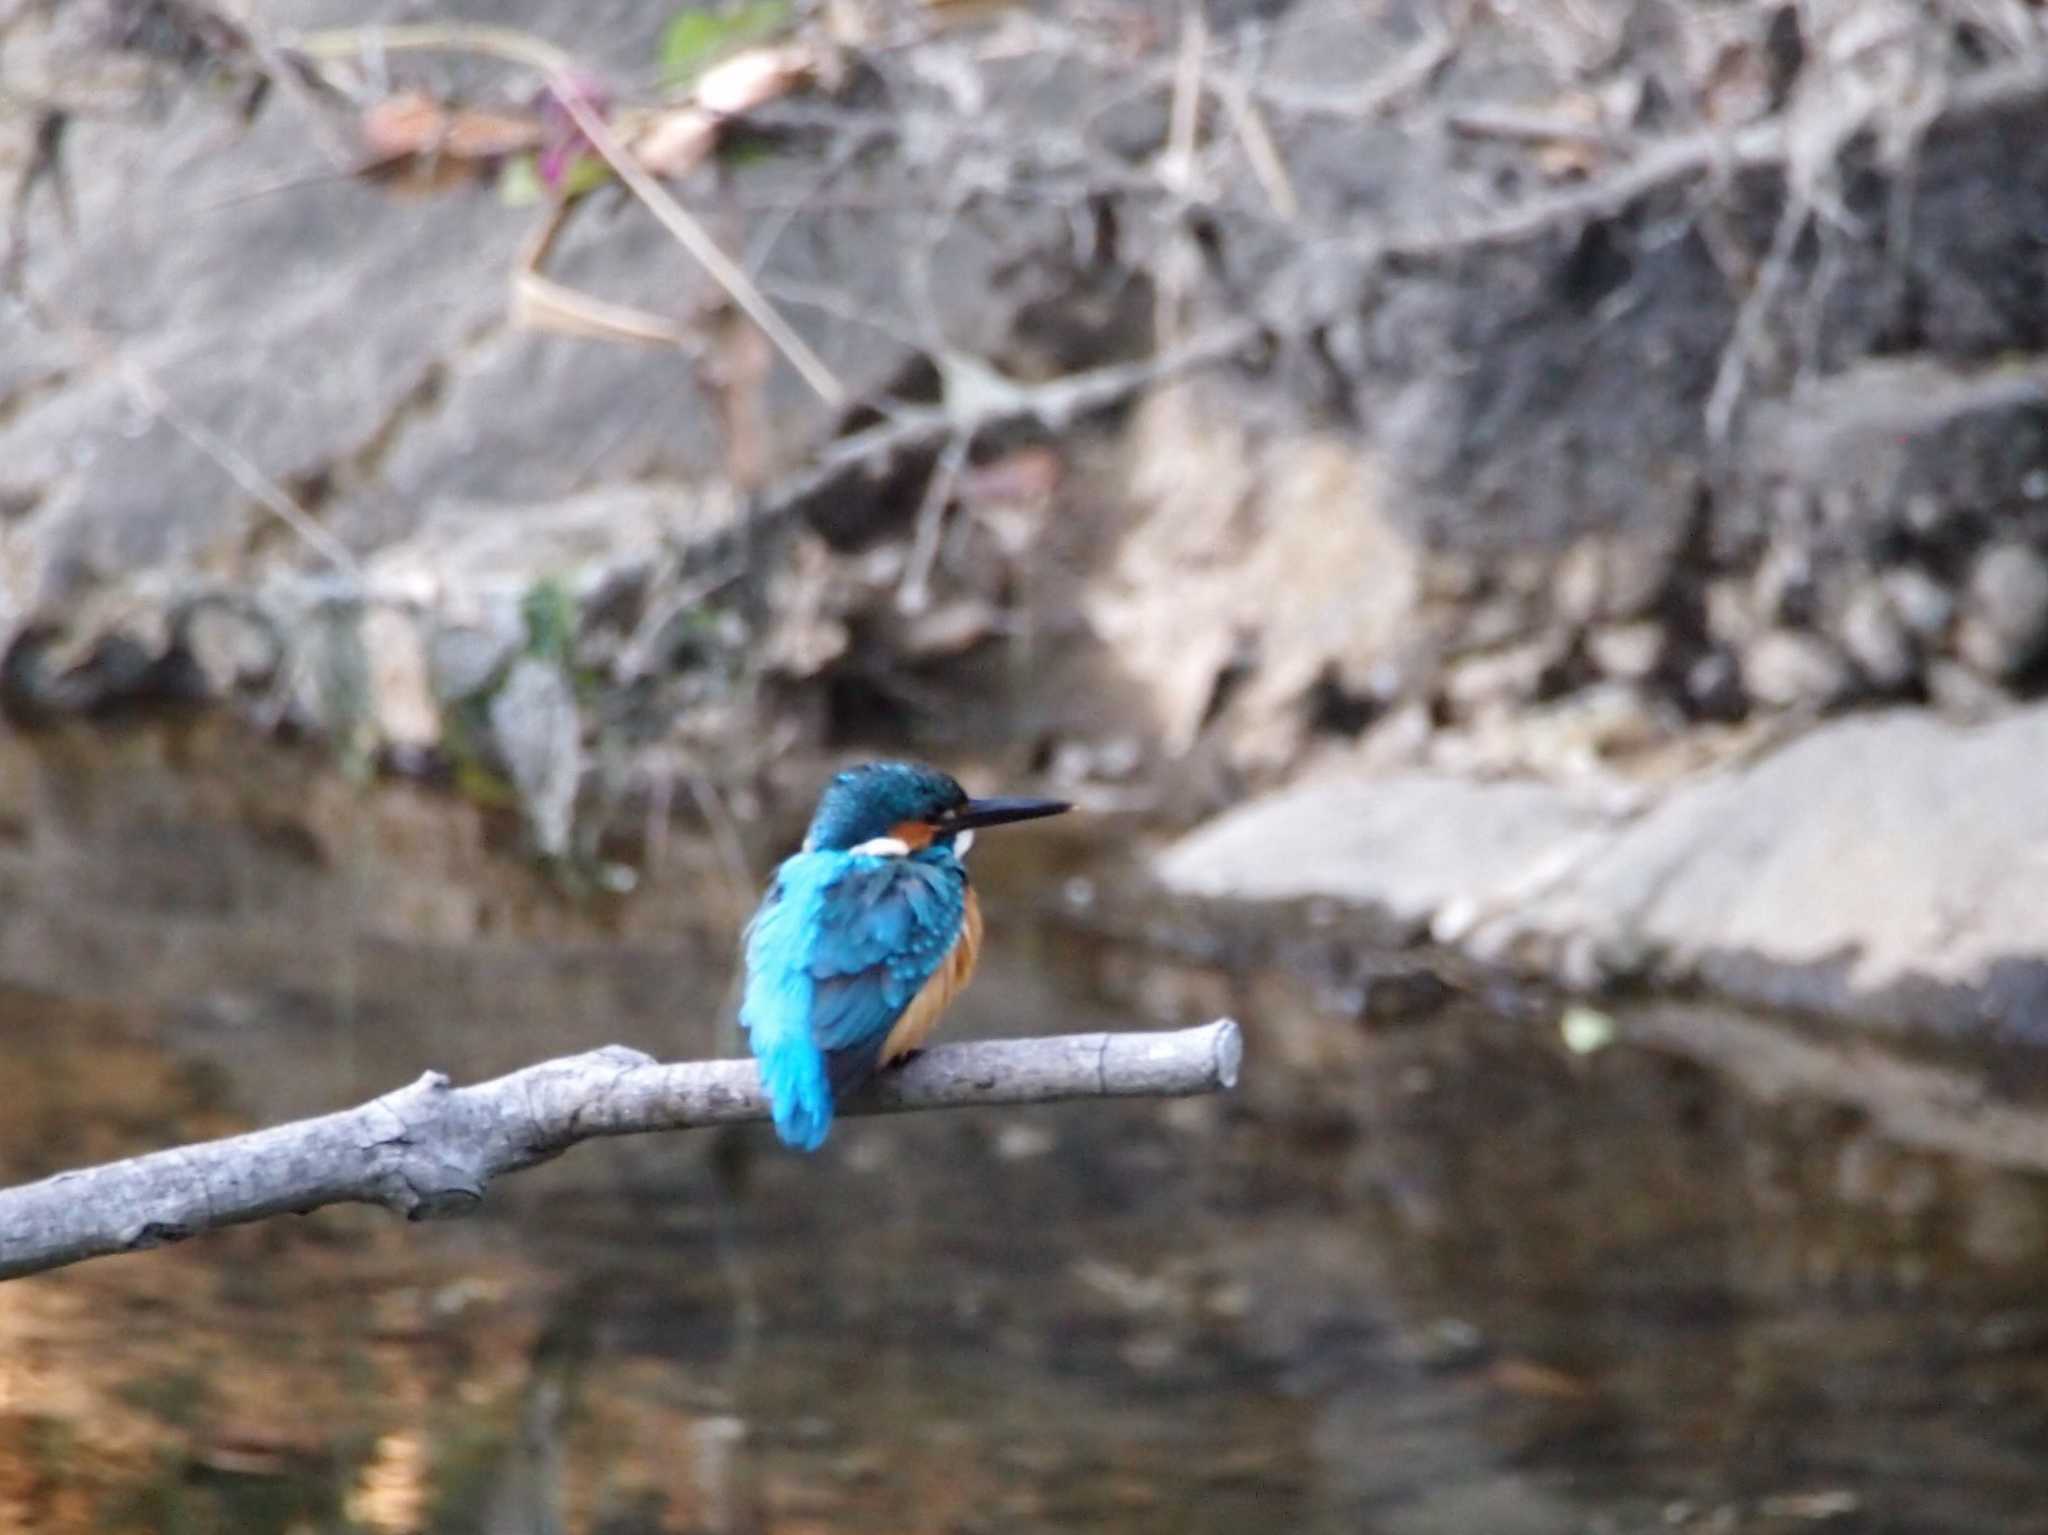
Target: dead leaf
[[676, 142], [753, 79], [413, 123]]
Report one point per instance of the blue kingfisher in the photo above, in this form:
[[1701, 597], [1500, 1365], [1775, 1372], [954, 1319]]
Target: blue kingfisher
[[865, 936]]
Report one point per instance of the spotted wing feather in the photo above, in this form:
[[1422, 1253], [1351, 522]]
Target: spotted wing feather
[[887, 932]]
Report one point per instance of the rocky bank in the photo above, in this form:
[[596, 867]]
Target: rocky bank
[[1589, 465]]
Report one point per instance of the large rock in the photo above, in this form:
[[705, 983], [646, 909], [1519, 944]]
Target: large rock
[[1892, 867]]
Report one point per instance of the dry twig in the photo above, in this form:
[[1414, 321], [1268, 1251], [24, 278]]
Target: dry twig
[[558, 68]]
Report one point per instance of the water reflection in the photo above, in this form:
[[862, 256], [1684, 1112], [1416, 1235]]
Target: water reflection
[[1427, 1272]]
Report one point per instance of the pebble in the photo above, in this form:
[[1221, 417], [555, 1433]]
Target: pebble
[[2005, 612], [1627, 652], [1962, 694], [463, 660], [1784, 667], [1579, 583], [1877, 640], [1783, 588], [1509, 675], [1922, 603], [231, 647], [1713, 687]]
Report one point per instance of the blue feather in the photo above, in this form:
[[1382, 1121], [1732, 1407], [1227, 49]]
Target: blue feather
[[775, 1009], [840, 947]]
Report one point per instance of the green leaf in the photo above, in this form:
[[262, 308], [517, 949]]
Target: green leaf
[[697, 39], [549, 610], [586, 174], [519, 183]]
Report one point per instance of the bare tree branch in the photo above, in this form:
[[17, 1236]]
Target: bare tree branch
[[1052, 406], [430, 1149]]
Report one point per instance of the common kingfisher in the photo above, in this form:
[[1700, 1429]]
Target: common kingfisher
[[864, 936]]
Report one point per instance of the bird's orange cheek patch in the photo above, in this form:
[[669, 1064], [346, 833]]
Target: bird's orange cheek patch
[[913, 834]]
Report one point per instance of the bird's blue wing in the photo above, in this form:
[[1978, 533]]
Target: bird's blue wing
[[885, 926], [837, 951]]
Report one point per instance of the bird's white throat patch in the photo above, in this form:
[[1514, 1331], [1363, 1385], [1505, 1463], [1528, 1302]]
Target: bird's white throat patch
[[882, 847], [896, 847]]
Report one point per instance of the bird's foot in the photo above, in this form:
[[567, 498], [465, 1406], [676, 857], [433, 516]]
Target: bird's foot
[[904, 1059]]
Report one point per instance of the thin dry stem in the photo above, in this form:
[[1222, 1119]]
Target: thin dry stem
[[560, 70]]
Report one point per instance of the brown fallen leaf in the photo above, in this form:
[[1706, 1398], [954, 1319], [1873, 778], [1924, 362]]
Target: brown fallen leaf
[[413, 123]]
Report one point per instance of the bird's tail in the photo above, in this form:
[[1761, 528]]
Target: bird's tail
[[776, 1012], [793, 1074]]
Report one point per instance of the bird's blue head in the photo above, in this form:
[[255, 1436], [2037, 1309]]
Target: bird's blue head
[[907, 803]]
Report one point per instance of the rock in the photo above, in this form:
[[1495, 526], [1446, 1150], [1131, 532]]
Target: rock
[[539, 733], [1627, 652], [231, 645], [1732, 616], [1922, 603], [1563, 740], [1638, 568], [1397, 739], [1494, 623], [1713, 687], [2005, 611], [403, 708], [1910, 441], [467, 560], [1224, 521], [1786, 667], [1848, 870], [1782, 590], [1964, 695], [463, 660], [1413, 845], [1877, 640], [1578, 586], [1508, 675], [330, 677]]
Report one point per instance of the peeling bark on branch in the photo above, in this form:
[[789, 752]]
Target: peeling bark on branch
[[431, 1149]]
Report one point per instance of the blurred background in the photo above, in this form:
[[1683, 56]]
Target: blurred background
[[1522, 526]]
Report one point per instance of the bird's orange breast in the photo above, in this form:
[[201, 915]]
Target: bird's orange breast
[[947, 982]]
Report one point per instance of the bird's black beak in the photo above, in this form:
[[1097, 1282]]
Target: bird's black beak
[[997, 812]]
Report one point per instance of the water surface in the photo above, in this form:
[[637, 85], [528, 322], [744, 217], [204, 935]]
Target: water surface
[[1428, 1271]]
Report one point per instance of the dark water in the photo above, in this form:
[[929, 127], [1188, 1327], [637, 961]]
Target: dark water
[[1428, 1271]]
